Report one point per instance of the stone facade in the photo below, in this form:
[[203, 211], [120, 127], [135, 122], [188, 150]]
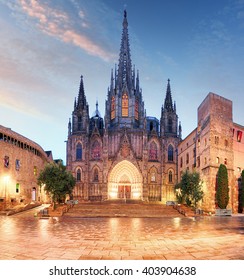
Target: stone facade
[[212, 143], [126, 155], [22, 160]]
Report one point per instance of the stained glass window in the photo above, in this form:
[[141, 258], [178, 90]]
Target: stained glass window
[[96, 150], [170, 153], [112, 108], [153, 153], [125, 105], [78, 152]]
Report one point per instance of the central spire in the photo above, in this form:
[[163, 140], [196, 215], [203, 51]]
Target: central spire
[[125, 68], [168, 104]]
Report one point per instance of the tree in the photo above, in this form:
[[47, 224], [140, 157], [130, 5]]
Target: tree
[[222, 192], [189, 190], [57, 180], [242, 189]]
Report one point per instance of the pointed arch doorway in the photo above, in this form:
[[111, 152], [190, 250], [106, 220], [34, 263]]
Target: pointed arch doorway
[[125, 181]]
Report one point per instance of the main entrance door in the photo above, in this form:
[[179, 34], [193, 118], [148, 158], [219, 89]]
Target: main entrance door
[[125, 181], [124, 192]]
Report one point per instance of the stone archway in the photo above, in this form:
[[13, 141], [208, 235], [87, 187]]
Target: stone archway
[[125, 181]]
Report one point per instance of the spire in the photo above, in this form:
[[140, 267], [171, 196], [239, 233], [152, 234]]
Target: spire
[[137, 81], [124, 68], [97, 111], [180, 131], [69, 127], [81, 103], [112, 81], [168, 104]]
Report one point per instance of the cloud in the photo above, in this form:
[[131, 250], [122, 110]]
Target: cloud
[[59, 24], [8, 99]]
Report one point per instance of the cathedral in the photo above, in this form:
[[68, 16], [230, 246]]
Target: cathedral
[[126, 155]]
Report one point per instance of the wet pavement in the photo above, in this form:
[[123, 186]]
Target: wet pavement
[[24, 236]]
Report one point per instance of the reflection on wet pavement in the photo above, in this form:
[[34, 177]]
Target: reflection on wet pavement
[[28, 237]]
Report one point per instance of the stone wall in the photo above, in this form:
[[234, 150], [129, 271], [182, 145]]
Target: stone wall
[[21, 162]]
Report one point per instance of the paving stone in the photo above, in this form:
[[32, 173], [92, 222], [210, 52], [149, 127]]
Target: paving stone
[[166, 237]]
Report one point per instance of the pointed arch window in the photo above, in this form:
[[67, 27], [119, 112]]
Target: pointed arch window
[[95, 175], [170, 153], [137, 109], [112, 108], [96, 150], [78, 175], [170, 177], [125, 105], [79, 151], [79, 123], [170, 125], [153, 151]]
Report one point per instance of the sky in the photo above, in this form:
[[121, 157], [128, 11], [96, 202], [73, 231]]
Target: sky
[[47, 45]]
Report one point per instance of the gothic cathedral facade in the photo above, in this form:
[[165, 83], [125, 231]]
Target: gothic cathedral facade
[[126, 154]]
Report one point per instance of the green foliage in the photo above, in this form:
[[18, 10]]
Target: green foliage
[[189, 190], [57, 180], [222, 192]]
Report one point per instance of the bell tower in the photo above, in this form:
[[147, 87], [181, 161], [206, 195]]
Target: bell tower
[[169, 118], [80, 115]]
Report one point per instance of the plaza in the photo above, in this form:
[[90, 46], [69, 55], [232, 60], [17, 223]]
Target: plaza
[[153, 237]]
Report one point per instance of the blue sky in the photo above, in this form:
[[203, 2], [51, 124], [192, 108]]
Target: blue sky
[[46, 46]]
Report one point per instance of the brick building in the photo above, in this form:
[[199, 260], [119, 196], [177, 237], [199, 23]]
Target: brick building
[[21, 162], [216, 140]]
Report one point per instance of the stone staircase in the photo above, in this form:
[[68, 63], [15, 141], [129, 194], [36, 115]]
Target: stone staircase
[[122, 209]]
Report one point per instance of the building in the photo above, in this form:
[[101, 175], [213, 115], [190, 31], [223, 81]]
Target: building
[[22, 160], [216, 140], [126, 154]]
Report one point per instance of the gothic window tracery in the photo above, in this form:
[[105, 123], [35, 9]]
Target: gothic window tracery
[[79, 123], [170, 153], [95, 175], [79, 151], [153, 152], [170, 125], [125, 105], [170, 176], [112, 108], [96, 150], [78, 175]]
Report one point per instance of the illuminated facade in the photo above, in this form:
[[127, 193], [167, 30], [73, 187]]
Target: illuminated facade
[[216, 140], [21, 162], [126, 154], [130, 155]]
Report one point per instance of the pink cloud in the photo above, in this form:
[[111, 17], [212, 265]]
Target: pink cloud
[[56, 23]]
